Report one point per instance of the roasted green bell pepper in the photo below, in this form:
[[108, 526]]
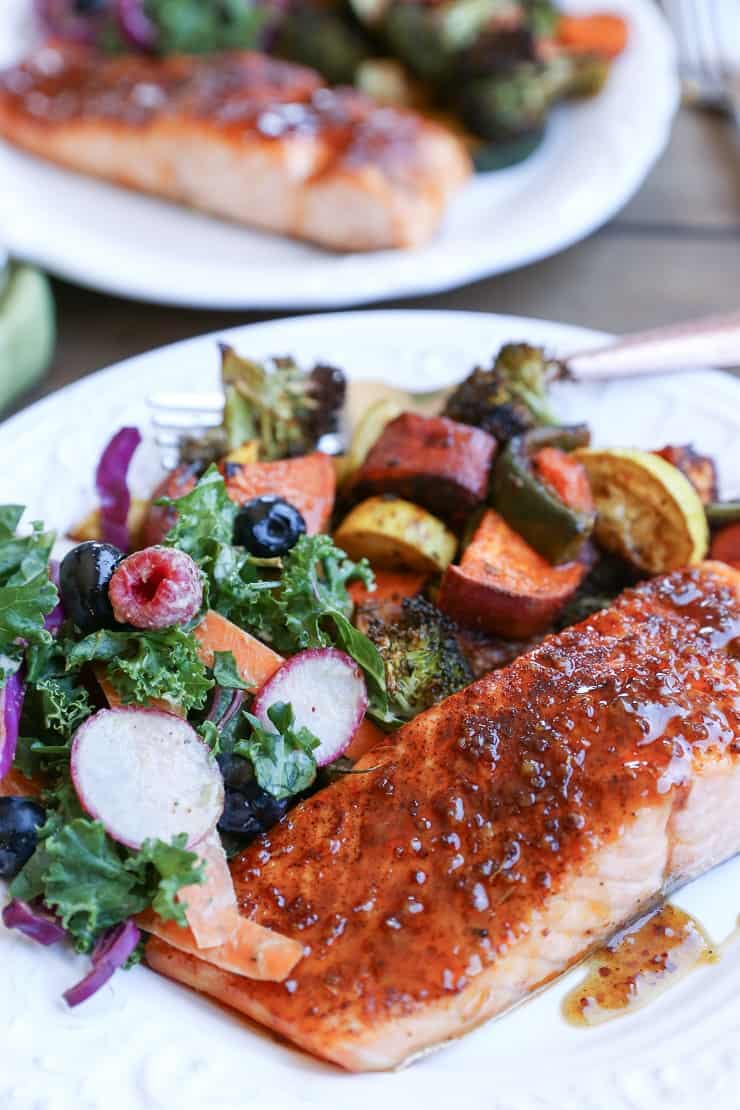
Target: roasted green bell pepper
[[722, 512], [551, 527]]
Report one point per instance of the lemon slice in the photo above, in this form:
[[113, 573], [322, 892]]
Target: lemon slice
[[26, 329], [648, 511]]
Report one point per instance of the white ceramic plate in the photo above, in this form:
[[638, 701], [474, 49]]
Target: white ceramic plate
[[146, 1043], [596, 155]]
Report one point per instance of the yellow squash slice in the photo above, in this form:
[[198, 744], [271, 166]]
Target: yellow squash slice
[[648, 511], [394, 533], [89, 527], [248, 452]]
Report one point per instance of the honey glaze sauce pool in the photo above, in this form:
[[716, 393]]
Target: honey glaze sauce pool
[[639, 964]]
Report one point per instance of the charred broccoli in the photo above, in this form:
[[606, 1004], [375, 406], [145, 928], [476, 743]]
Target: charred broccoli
[[323, 37], [504, 86], [508, 398], [284, 407], [423, 662]]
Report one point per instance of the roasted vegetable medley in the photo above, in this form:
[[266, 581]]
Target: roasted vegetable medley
[[204, 659], [493, 69]]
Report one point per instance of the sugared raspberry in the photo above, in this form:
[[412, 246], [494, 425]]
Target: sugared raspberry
[[156, 588]]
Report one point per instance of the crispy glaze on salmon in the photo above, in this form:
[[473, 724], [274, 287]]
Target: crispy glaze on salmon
[[242, 136], [502, 834]]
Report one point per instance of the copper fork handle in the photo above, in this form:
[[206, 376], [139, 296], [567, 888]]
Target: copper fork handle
[[711, 341]]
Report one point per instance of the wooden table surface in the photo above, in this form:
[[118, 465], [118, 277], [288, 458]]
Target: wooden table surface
[[672, 253]]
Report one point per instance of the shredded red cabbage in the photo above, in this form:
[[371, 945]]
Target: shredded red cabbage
[[135, 25], [33, 921], [111, 952], [59, 19], [112, 486], [11, 704], [55, 619], [233, 707]]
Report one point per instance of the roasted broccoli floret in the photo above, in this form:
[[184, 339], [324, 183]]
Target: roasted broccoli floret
[[508, 398], [542, 17], [324, 37], [423, 662], [504, 89], [504, 108], [287, 409]]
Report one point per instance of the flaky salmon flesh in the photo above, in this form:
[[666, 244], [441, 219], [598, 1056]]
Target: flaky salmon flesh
[[242, 136], [501, 835]]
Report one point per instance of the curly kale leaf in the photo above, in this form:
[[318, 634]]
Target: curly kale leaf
[[26, 593], [93, 883], [147, 666], [282, 756]]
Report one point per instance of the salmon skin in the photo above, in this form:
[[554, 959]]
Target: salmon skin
[[242, 136], [503, 833]]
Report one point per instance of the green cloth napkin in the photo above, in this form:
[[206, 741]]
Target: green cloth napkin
[[27, 328]]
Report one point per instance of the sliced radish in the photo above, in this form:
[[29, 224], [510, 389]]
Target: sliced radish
[[146, 774], [327, 691]]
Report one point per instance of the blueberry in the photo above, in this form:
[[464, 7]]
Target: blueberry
[[20, 819], [84, 575], [268, 526], [238, 773], [248, 809]]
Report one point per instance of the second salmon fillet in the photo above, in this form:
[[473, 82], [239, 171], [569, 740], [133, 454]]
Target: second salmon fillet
[[242, 136], [503, 834]]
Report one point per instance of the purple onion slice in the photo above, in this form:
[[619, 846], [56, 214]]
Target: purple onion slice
[[233, 707], [33, 921], [135, 25], [11, 704], [109, 954], [111, 482]]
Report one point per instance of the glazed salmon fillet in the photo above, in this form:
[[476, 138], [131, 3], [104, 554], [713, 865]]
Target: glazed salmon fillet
[[502, 834], [242, 136]]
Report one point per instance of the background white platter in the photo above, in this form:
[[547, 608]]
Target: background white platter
[[144, 1042], [595, 156]]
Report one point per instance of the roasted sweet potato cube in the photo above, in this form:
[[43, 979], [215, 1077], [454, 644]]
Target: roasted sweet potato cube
[[432, 461], [503, 587], [308, 482]]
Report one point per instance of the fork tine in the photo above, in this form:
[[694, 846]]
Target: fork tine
[[709, 38], [180, 415], [187, 402], [696, 26], [698, 38], [681, 25], [718, 14], [186, 421]]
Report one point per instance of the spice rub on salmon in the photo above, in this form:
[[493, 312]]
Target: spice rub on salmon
[[242, 136], [502, 834]]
